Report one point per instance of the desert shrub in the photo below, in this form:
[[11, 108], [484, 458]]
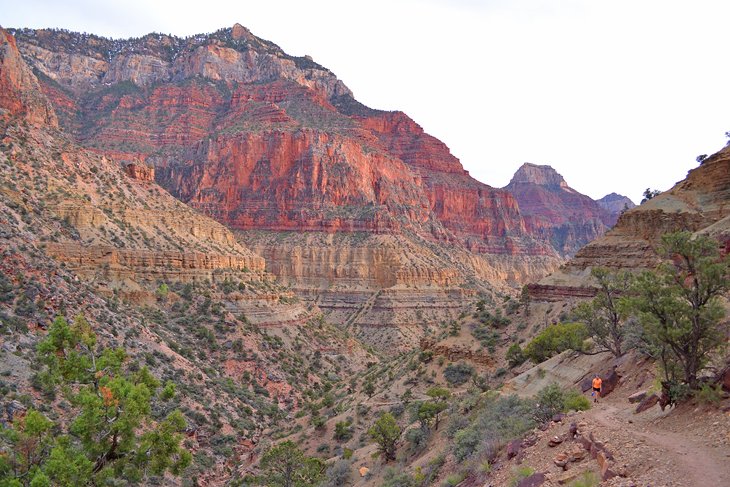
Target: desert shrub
[[454, 479], [553, 399], [417, 438], [519, 474], [515, 355], [497, 421], [338, 474], [343, 432], [708, 394], [458, 374], [575, 401], [588, 479], [555, 339], [395, 478]]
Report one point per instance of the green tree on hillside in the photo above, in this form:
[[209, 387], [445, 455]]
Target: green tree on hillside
[[679, 304], [285, 465], [110, 436], [604, 315], [386, 433], [429, 412]]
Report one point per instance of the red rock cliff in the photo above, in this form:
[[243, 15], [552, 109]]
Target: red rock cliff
[[260, 139], [555, 211]]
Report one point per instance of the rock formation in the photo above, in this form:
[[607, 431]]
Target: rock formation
[[555, 211], [615, 204], [266, 142], [263, 140], [698, 203]]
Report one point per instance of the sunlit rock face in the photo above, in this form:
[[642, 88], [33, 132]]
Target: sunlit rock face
[[277, 148]]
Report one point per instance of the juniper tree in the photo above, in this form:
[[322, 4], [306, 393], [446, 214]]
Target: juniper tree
[[679, 303]]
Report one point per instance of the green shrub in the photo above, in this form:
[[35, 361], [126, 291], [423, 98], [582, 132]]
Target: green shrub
[[575, 401], [709, 395], [588, 479], [497, 421], [395, 478], [454, 479], [417, 438], [555, 339], [553, 399], [515, 355], [343, 432], [458, 374], [519, 474]]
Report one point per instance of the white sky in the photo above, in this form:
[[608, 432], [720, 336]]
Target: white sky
[[616, 95]]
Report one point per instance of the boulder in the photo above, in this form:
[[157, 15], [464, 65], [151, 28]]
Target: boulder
[[555, 441], [637, 397], [610, 381], [647, 403], [577, 453], [513, 448], [561, 460]]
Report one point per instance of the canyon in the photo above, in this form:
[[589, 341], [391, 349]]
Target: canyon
[[359, 210]]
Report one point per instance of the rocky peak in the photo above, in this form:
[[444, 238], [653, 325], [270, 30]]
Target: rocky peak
[[540, 175], [240, 33], [567, 218], [615, 203]]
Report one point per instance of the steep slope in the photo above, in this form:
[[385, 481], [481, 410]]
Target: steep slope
[[266, 142], [698, 203], [79, 234], [554, 210], [615, 204], [260, 139]]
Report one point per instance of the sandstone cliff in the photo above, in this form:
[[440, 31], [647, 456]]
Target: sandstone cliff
[[259, 139], [555, 211], [265, 142], [698, 203]]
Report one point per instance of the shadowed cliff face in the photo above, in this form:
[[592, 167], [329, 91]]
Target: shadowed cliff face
[[259, 139], [555, 211]]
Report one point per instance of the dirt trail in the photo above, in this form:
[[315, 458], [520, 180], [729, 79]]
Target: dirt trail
[[700, 465]]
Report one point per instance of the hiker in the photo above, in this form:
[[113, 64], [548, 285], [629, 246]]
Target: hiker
[[596, 388]]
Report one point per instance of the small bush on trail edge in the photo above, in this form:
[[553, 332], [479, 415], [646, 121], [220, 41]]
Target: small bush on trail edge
[[709, 395], [553, 399]]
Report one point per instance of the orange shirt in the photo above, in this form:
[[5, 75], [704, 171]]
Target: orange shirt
[[597, 383]]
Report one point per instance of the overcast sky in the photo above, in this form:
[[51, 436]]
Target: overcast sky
[[616, 95]]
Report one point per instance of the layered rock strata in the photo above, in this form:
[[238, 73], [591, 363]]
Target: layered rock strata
[[555, 211], [699, 203]]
